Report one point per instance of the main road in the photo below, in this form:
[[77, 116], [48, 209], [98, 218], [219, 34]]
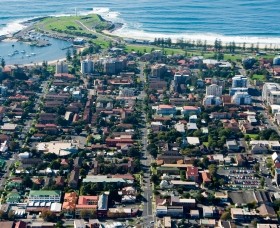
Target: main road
[[146, 159]]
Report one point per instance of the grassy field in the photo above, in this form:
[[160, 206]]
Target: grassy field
[[149, 48], [253, 136], [70, 24], [258, 77]]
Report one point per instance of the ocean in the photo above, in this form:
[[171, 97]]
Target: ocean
[[248, 21]]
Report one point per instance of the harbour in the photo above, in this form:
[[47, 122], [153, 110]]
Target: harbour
[[18, 52]]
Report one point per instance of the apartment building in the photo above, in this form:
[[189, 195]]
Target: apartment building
[[44, 196]]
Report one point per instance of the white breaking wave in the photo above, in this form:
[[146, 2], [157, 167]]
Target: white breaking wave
[[135, 31], [13, 27], [127, 32], [107, 14]]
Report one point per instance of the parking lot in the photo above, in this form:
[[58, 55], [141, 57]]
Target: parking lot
[[240, 177]]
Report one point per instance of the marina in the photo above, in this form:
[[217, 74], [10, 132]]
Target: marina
[[16, 52]]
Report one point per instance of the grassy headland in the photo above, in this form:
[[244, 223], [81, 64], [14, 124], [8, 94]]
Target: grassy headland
[[74, 25]]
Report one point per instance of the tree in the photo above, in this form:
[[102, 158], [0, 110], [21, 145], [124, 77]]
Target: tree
[[11, 215], [13, 145], [233, 47], [84, 214], [3, 63], [262, 182], [155, 179], [212, 169], [252, 205], [225, 216], [27, 182], [55, 164], [2, 215], [68, 55], [183, 175], [48, 216], [244, 46]]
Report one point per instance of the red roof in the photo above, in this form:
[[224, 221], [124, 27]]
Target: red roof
[[165, 107], [87, 200], [192, 171], [190, 108], [206, 177]]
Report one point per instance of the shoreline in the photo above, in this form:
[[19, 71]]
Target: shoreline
[[238, 40], [118, 30]]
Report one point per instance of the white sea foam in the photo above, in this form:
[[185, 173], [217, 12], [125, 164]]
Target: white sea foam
[[107, 14], [135, 31], [12, 27], [127, 32]]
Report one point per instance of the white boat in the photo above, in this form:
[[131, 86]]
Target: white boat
[[23, 51], [33, 54], [27, 55]]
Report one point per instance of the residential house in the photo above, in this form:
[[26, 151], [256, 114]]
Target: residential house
[[206, 177], [190, 110], [86, 203], [69, 202], [166, 110], [74, 179], [192, 174]]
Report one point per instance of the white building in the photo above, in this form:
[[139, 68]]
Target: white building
[[4, 146], [271, 93], [3, 90], [232, 91], [208, 211], [87, 66], [193, 141], [211, 100], [44, 196], [214, 90], [60, 148], [239, 81], [79, 223], [276, 60], [241, 98]]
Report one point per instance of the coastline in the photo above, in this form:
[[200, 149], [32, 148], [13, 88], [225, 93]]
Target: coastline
[[239, 41], [119, 30]]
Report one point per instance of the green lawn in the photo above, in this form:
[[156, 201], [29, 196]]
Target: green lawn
[[253, 136], [258, 77], [70, 24], [149, 48], [205, 144]]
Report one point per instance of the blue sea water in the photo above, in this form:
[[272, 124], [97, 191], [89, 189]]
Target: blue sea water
[[239, 20]]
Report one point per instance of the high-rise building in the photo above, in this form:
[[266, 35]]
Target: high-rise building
[[158, 70], [239, 81], [61, 67], [87, 66], [210, 100], [241, 98], [232, 91], [271, 93], [277, 176], [114, 66], [276, 60], [214, 90]]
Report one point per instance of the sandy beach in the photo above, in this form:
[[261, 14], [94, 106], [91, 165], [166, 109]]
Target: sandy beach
[[263, 43]]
